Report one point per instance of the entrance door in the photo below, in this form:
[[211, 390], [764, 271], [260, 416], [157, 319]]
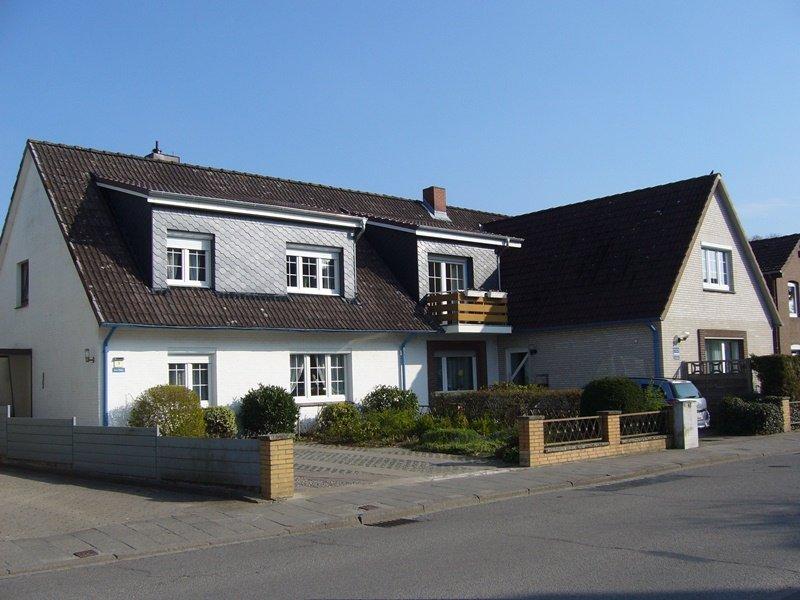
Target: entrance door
[[15, 383]]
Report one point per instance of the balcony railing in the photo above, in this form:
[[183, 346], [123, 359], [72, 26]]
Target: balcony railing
[[716, 367], [469, 307]]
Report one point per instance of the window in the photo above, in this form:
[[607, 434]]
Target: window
[[517, 361], [188, 260], [717, 268], [446, 274], [23, 283], [456, 372], [318, 376], [795, 349], [794, 299], [313, 270], [721, 355], [193, 372]]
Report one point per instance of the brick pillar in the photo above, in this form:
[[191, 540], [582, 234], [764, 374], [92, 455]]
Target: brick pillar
[[786, 409], [531, 439], [277, 465], [609, 426]]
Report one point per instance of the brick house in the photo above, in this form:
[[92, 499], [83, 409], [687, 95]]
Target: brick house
[[779, 259], [120, 272], [654, 282]]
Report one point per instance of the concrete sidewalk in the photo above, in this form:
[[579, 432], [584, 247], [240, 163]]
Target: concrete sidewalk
[[215, 523]]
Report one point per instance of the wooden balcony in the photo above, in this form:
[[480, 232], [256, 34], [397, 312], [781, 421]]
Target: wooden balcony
[[470, 311]]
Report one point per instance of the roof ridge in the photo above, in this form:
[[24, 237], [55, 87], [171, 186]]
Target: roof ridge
[[246, 173], [776, 237], [583, 202]]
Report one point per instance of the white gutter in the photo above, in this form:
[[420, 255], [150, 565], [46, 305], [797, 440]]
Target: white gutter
[[441, 233]]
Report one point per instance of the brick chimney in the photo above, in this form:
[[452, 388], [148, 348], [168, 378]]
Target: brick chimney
[[157, 154], [436, 199]]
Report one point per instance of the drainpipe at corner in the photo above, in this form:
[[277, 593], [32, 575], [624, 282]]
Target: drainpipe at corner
[[408, 338], [105, 375], [355, 252], [659, 363]]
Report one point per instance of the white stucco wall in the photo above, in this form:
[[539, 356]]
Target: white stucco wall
[[58, 323], [572, 357], [694, 308]]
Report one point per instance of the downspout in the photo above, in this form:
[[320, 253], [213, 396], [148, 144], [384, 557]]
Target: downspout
[[355, 252], [105, 375], [658, 364], [409, 337]]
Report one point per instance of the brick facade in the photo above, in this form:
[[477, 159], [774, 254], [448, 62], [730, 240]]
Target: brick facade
[[277, 466]]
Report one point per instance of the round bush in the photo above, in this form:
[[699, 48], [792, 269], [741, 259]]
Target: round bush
[[391, 426], [174, 409], [341, 422], [616, 393], [387, 397], [220, 422], [268, 409]]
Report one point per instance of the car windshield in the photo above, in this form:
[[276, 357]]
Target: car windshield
[[685, 390]]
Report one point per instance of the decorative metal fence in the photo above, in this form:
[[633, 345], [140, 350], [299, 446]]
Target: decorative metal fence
[[717, 367], [580, 430], [642, 424], [794, 414]]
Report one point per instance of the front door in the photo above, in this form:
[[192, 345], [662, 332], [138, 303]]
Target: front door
[[15, 383]]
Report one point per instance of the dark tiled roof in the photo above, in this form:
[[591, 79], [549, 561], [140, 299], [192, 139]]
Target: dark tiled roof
[[772, 253], [604, 260], [182, 178], [119, 295]]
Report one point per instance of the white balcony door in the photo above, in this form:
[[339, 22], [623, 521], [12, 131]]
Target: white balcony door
[[719, 352]]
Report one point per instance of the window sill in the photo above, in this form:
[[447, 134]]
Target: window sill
[[718, 290], [189, 284], [21, 306], [318, 400], [307, 292]]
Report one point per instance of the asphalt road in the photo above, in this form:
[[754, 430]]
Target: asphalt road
[[728, 531]]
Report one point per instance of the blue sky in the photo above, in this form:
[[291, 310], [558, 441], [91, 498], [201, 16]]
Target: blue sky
[[512, 107]]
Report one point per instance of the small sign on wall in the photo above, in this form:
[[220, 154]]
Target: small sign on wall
[[117, 364], [676, 351]]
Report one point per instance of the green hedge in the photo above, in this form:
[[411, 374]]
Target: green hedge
[[386, 397], [173, 408], [749, 417], [505, 402], [268, 409], [220, 422], [618, 393], [779, 374]]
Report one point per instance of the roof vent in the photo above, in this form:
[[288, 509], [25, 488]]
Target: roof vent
[[435, 199], [157, 154]]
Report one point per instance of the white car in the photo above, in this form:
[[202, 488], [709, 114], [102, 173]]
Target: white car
[[679, 389]]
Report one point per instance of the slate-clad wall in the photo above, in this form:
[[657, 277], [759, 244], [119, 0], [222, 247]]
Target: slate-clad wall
[[484, 263], [249, 254], [130, 452]]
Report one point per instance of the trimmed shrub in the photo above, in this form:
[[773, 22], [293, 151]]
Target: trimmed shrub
[[341, 422], [617, 393], [220, 422], [268, 409], [779, 374], [504, 402], [390, 426], [749, 417], [457, 441], [175, 410], [388, 397]]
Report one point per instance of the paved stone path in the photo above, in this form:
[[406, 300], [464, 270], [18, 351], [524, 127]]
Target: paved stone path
[[130, 522]]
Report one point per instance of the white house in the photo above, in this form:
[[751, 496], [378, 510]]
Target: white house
[[120, 272]]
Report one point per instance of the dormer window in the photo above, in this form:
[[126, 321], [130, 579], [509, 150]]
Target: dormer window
[[446, 274], [188, 260], [313, 270]]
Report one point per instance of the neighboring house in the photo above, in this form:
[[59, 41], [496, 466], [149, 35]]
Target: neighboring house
[[779, 258], [120, 272], [645, 283]]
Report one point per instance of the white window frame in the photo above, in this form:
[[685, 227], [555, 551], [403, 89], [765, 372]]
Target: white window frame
[[440, 264], [794, 298], [188, 360], [186, 242], [442, 358], [795, 350], [318, 254], [526, 366], [307, 396], [721, 267]]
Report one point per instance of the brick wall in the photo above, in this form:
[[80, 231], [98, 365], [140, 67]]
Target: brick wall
[[277, 466]]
